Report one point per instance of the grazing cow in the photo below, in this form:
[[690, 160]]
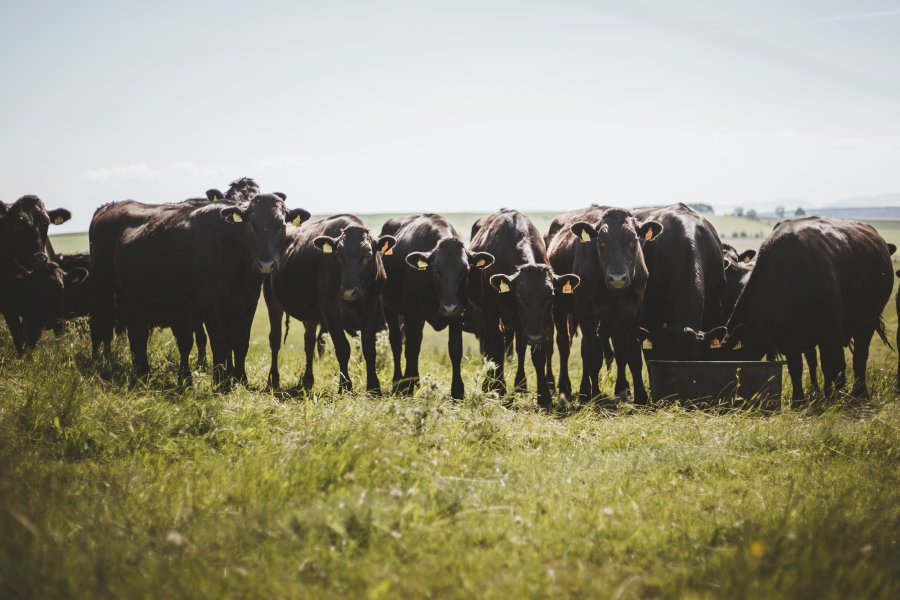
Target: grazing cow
[[330, 273], [818, 282], [516, 292], [561, 248], [687, 279], [427, 276], [609, 258], [173, 265], [24, 247]]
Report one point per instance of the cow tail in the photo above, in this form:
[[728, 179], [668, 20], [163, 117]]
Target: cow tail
[[287, 327], [882, 333]]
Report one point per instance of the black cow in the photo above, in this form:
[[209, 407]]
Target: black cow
[[818, 282], [330, 273], [427, 277], [686, 282], [516, 292], [609, 259], [737, 272], [24, 247], [172, 265], [561, 251]]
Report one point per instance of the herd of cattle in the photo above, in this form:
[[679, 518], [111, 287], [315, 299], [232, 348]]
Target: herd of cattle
[[626, 280]]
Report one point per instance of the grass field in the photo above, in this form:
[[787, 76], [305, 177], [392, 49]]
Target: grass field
[[107, 491]]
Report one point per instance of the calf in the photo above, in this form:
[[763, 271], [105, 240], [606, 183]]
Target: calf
[[609, 259], [686, 281], [737, 272], [516, 292], [173, 265], [24, 247], [561, 248], [818, 282], [427, 275], [330, 273]]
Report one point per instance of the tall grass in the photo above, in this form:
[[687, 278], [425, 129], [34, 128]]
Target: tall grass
[[158, 492]]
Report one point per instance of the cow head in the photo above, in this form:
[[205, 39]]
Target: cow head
[[737, 273], [449, 263], [532, 288], [618, 239], [356, 253], [23, 230], [264, 219], [241, 190]]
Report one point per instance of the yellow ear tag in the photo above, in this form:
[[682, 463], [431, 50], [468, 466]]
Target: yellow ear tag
[[649, 235], [647, 345], [567, 288], [585, 237], [297, 220], [326, 248], [480, 263], [387, 251], [738, 346], [715, 343], [58, 221], [504, 287], [422, 265], [237, 218]]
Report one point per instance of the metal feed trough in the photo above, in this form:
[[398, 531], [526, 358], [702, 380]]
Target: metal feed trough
[[710, 382]]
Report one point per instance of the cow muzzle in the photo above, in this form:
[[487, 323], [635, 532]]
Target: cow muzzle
[[266, 266], [450, 310], [618, 281], [534, 339], [351, 294]]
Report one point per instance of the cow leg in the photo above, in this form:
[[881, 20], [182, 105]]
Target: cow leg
[[184, 337], [621, 350], [521, 347], [563, 343], [587, 358], [832, 355], [455, 350], [494, 341], [607, 353], [241, 341], [539, 360], [368, 349], [138, 334], [395, 336], [812, 364], [103, 322], [861, 343], [320, 341], [636, 364], [341, 350], [795, 370], [275, 314], [548, 366], [310, 341], [14, 323], [219, 346], [410, 380], [200, 335]]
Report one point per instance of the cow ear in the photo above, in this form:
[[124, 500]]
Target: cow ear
[[502, 283], [584, 231], [281, 195], [325, 244], [649, 231], [481, 260], [419, 260], [59, 216], [214, 195], [566, 284], [233, 214], [747, 255], [892, 248], [297, 216], [385, 244], [76, 276]]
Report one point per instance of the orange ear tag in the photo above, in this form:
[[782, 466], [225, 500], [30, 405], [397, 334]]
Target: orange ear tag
[[387, 251], [715, 343], [567, 288], [649, 235], [480, 263]]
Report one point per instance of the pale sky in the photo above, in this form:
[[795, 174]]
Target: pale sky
[[381, 106]]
